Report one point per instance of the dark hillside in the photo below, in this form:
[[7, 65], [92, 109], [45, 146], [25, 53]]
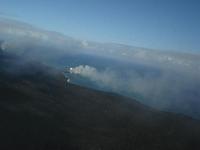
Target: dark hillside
[[39, 113]]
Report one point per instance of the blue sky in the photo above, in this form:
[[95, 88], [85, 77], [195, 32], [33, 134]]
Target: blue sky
[[159, 24]]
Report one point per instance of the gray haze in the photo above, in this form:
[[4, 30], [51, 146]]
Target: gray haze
[[168, 80]]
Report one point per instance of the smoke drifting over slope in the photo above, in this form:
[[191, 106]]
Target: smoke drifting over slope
[[102, 78], [168, 90]]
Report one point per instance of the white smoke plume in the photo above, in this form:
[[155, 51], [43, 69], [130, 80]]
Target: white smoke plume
[[103, 78]]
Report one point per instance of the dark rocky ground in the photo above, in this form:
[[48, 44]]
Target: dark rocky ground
[[38, 112]]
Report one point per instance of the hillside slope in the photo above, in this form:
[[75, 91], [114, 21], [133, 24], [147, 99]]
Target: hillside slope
[[38, 112]]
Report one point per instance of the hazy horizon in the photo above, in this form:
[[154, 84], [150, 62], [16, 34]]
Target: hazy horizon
[[168, 25]]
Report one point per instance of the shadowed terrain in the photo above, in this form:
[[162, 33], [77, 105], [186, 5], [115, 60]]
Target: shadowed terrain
[[38, 112]]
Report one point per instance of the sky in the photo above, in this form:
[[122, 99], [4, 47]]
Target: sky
[[156, 24]]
